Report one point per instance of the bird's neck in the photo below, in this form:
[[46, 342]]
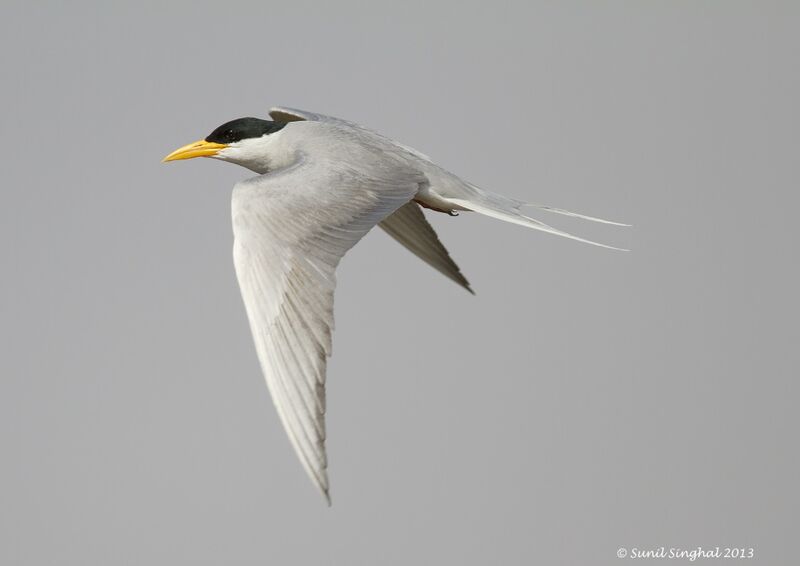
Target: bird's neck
[[264, 155]]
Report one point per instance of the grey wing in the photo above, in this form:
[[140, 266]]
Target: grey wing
[[286, 114], [291, 229], [408, 226]]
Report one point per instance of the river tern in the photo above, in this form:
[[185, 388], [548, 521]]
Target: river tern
[[322, 183]]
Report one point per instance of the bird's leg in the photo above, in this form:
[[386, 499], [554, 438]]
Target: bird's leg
[[429, 207]]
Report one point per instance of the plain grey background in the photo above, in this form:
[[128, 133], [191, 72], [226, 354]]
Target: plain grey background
[[584, 400]]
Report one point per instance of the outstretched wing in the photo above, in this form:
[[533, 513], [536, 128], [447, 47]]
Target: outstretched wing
[[408, 226], [291, 228]]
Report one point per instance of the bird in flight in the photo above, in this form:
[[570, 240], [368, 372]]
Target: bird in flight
[[322, 183]]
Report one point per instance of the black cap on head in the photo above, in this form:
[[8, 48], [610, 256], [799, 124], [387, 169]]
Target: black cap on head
[[243, 128]]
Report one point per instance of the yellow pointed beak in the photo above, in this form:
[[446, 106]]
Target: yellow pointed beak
[[200, 148]]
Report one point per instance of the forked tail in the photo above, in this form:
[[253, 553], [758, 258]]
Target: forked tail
[[503, 208]]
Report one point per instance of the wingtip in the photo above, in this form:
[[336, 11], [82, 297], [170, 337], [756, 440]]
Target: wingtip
[[324, 487], [464, 284]]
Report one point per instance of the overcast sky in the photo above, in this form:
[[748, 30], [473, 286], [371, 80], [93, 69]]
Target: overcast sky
[[583, 401]]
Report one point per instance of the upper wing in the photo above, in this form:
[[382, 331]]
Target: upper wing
[[408, 226], [285, 114], [291, 228]]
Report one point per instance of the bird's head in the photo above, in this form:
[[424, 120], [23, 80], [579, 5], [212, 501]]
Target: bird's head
[[244, 141]]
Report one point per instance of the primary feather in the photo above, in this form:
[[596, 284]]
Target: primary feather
[[408, 226]]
